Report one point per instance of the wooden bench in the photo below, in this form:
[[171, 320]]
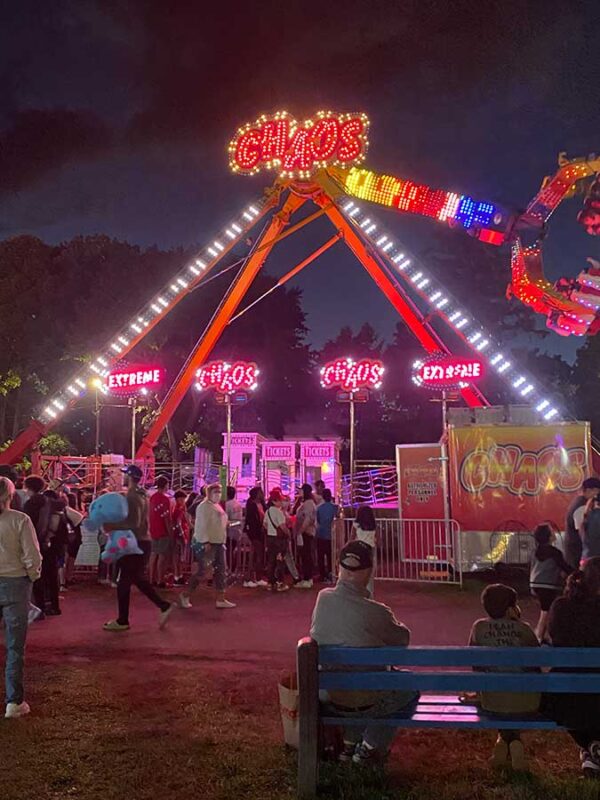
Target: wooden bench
[[439, 674]]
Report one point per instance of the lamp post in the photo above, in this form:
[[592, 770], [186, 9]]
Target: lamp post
[[97, 383]]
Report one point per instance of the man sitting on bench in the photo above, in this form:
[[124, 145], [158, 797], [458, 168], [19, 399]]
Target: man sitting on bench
[[345, 616]]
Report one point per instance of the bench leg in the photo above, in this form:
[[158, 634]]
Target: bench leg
[[308, 687]]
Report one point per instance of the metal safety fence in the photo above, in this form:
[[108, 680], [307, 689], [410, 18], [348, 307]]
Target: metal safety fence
[[419, 550]]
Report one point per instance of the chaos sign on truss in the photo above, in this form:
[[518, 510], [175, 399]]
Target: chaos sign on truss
[[316, 162]]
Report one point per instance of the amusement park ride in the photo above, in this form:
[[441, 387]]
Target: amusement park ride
[[318, 162]]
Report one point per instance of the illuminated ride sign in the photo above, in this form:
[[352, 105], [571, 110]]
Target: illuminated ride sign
[[447, 372], [134, 380], [351, 376], [227, 378], [297, 150]]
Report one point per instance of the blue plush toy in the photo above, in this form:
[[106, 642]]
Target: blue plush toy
[[112, 507]]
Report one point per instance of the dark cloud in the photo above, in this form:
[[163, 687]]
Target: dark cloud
[[39, 141]]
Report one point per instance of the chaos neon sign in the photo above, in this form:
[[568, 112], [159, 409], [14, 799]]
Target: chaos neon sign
[[447, 372], [350, 375], [282, 144], [134, 379], [227, 378]]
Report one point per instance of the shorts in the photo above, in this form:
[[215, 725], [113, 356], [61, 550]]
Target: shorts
[[546, 597], [161, 547]]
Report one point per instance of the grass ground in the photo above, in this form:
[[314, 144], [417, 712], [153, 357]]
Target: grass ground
[[188, 713]]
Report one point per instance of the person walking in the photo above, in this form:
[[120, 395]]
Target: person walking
[[39, 511], [326, 513], [181, 532], [20, 567], [74, 536], [208, 546], [590, 488], [547, 575], [306, 528], [161, 532], [254, 530], [132, 568]]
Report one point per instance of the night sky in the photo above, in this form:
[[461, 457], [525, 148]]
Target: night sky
[[115, 116]]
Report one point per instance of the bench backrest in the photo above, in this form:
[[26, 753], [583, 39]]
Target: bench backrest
[[453, 669]]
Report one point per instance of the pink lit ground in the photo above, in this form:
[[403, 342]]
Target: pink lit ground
[[149, 714]]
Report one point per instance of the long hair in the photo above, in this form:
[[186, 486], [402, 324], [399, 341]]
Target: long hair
[[7, 490], [584, 584], [365, 518]]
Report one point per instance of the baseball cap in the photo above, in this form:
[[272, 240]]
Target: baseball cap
[[133, 472], [275, 495], [591, 483], [356, 556]]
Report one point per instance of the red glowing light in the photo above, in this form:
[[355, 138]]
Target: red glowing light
[[281, 143], [350, 375], [227, 378], [446, 372], [134, 379]]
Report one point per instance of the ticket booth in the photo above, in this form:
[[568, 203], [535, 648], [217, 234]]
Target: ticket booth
[[321, 461], [245, 466], [279, 466]]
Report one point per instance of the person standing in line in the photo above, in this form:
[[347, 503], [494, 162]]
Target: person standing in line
[[208, 546], [57, 545], [318, 495], [254, 530], [38, 510], [305, 529], [235, 515], [20, 567], [547, 575], [181, 532], [326, 513], [161, 532], [590, 488], [365, 530], [132, 568], [277, 537]]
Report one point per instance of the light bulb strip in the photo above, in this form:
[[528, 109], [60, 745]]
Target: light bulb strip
[[417, 279], [144, 320]]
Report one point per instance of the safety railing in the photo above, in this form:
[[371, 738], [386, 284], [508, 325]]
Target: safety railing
[[423, 550]]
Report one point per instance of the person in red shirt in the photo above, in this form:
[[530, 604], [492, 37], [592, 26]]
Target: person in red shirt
[[181, 535], [161, 532]]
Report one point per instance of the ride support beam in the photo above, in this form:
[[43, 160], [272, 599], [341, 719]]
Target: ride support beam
[[411, 318], [212, 333]]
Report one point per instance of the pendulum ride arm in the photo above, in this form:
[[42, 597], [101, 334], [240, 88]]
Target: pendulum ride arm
[[409, 314], [126, 338], [218, 323]]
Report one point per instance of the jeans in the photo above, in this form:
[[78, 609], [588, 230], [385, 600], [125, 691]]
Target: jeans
[[45, 589], [378, 736], [132, 572], [211, 555], [15, 595], [324, 558], [307, 560]]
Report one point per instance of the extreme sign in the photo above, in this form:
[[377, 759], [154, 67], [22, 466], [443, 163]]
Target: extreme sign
[[227, 378], [134, 379], [350, 375], [447, 372], [297, 150]]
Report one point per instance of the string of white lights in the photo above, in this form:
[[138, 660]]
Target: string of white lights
[[453, 312], [158, 307]]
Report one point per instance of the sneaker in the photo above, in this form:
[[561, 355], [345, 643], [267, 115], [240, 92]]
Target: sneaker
[[303, 585], [34, 613], [225, 604], [63, 588], [364, 754], [114, 626], [179, 581], [347, 752], [250, 584], [589, 767], [15, 710], [113, 584], [262, 583], [184, 601], [499, 756], [282, 587], [163, 617], [517, 755]]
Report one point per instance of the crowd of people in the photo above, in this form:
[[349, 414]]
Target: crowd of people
[[288, 544]]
